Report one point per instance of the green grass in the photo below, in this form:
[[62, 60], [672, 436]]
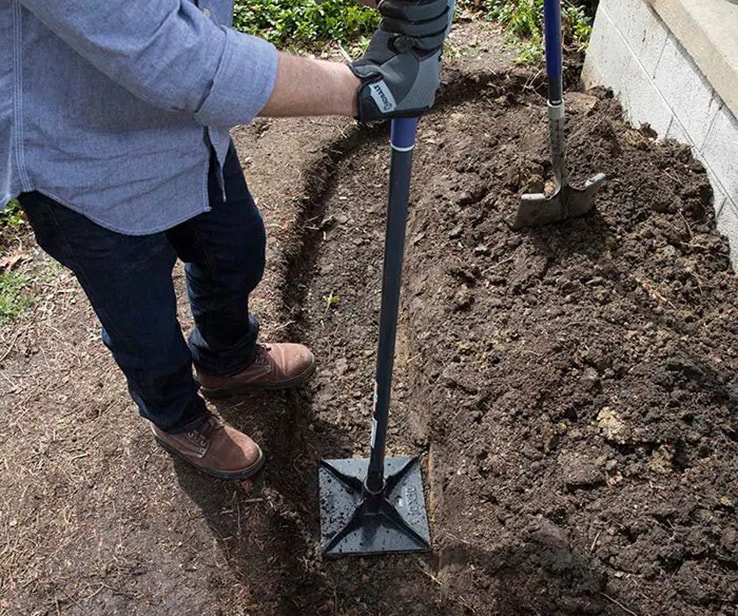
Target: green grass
[[523, 20], [305, 24], [14, 296]]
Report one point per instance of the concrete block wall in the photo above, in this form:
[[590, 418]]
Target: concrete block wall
[[636, 53]]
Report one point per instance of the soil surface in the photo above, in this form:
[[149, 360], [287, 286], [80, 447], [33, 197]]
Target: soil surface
[[571, 390]]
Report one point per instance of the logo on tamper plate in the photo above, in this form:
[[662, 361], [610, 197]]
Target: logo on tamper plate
[[382, 96]]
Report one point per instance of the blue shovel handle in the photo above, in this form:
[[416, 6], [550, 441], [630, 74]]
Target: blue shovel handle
[[403, 133], [402, 138], [552, 30]]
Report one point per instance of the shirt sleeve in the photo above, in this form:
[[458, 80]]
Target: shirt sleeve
[[169, 54]]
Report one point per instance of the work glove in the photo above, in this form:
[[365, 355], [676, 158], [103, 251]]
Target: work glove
[[424, 21], [400, 76]]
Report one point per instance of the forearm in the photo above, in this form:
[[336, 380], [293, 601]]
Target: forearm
[[312, 87], [168, 53]]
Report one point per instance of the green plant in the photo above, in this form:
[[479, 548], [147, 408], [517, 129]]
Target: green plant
[[523, 20], [331, 301], [305, 23], [14, 297], [12, 215]]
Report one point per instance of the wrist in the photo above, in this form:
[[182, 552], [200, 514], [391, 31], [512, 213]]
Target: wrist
[[352, 85]]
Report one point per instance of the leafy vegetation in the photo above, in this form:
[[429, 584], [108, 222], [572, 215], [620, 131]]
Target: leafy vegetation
[[524, 21], [313, 24], [12, 225], [12, 215], [305, 23], [13, 296]]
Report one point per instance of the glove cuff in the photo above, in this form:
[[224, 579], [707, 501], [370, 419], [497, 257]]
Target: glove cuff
[[374, 98]]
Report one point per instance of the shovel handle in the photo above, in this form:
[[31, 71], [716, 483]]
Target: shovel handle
[[403, 141], [552, 30], [554, 70], [403, 132]]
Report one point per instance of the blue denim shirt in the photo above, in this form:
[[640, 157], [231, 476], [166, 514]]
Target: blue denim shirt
[[111, 107]]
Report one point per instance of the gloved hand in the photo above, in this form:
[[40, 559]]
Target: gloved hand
[[397, 83], [425, 21]]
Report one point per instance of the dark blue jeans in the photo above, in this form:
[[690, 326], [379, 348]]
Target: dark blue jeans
[[128, 280]]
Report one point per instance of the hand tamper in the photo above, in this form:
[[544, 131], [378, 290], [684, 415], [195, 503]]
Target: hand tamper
[[376, 506]]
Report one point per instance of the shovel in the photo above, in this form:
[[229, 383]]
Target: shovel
[[567, 201]]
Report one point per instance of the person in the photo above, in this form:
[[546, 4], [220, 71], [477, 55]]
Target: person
[[114, 137]]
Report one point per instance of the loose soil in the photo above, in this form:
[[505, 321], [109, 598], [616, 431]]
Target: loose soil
[[571, 390]]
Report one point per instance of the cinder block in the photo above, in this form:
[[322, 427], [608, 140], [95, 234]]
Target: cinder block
[[633, 52], [607, 55], [707, 29], [612, 62], [688, 92], [643, 31], [615, 9], [720, 151], [642, 102]]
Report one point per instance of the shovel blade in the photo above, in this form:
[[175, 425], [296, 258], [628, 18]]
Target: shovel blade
[[536, 209]]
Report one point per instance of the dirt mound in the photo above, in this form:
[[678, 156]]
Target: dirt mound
[[593, 442], [574, 386]]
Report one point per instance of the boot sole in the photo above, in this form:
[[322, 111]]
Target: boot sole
[[234, 390], [242, 474]]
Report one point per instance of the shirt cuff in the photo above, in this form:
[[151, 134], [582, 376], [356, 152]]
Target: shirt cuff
[[243, 82]]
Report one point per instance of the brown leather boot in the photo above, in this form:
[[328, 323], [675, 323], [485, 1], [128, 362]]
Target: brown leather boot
[[215, 449], [277, 366]]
